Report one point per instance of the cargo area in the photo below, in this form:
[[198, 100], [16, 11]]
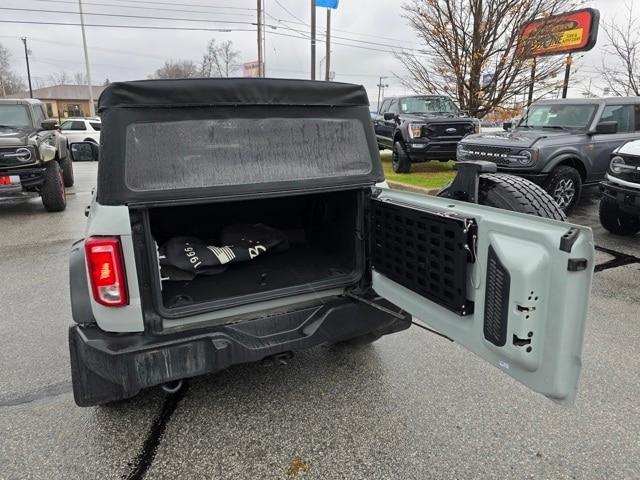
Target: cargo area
[[322, 247]]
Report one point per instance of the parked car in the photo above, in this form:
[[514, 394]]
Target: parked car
[[620, 202], [421, 128], [237, 219], [560, 144], [33, 154], [82, 129]]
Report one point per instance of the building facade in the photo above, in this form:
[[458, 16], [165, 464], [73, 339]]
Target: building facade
[[63, 101]]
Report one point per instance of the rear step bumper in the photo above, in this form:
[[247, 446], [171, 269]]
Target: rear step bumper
[[107, 367]]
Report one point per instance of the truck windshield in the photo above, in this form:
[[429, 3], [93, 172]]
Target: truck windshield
[[428, 105], [15, 116], [565, 116]]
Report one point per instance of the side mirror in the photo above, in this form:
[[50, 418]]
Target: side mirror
[[389, 116], [49, 124], [506, 126], [84, 152], [610, 126]]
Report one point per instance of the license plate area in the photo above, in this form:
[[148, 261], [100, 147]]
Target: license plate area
[[427, 252]]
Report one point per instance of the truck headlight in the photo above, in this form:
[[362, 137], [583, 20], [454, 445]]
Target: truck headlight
[[415, 130], [460, 152], [618, 165], [525, 157]]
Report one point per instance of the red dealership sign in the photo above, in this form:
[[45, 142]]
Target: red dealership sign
[[575, 31]]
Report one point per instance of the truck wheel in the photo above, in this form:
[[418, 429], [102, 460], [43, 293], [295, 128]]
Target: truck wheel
[[400, 161], [564, 185], [516, 194], [67, 171], [615, 221], [54, 198]]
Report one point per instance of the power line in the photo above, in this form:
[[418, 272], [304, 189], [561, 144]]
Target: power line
[[143, 27], [147, 8], [173, 4], [122, 15], [291, 14]]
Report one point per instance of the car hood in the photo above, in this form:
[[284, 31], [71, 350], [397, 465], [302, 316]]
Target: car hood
[[428, 118], [516, 138], [10, 136]]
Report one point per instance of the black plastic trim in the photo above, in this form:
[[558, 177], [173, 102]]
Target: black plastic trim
[[568, 239], [79, 286], [108, 367]]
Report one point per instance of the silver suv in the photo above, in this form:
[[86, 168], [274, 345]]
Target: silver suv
[[238, 219]]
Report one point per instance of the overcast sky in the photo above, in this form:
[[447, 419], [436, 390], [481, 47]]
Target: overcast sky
[[128, 53]]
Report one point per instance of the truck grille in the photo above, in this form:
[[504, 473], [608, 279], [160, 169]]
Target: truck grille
[[447, 130], [8, 158], [629, 176], [489, 153]]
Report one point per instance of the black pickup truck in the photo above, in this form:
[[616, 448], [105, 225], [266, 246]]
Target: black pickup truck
[[421, 128]]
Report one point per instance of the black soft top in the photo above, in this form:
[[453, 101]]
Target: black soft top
[[203, 92]]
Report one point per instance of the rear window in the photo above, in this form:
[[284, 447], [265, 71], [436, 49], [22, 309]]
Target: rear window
[[95, 125], [220, 152], [73, 125]]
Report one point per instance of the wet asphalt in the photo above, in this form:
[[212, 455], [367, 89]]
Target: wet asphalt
[[410, 406]]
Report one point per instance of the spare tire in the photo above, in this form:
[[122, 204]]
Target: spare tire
[[516, 194]]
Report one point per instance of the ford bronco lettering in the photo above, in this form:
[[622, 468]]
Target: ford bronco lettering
[[33, 154], [238, 219]]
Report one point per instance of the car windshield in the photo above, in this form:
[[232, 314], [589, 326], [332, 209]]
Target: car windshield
[[428, 105], [566, 116], [15, 116]]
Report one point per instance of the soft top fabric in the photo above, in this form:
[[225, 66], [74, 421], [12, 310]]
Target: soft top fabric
[[202, 92]]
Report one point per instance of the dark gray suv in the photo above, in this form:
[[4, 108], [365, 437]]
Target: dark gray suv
[[560, 144]]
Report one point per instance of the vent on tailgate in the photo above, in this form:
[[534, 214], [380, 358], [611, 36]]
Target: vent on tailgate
[[426, 252], [496, 303]]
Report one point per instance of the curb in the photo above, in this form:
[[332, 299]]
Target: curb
[[412, 188]]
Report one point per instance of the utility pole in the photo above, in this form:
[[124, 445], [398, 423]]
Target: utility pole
[[92, 108], [567, 72], [380, 87], [26, 56], [328, 47], [532, 82], [313, 39], [260, 53], [264, 42]]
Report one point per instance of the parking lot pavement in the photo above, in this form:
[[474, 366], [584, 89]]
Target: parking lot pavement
[[411, 406]]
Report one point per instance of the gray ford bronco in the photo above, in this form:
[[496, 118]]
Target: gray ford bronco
[[33, 154], [239, 219], [560, 144]]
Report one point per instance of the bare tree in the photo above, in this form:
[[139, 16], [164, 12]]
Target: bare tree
[[621, 64], [176, 69], [10, 82], [465, 40], [80, 78], [220, 60], [60, 78]]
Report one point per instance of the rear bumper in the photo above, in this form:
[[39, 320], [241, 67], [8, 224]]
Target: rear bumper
[[108, 367], [628, 199]]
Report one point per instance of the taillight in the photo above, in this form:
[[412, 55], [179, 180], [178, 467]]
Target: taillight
[[106, 271]]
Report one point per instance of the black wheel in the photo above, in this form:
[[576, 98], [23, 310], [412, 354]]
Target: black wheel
[[67, 171], [564, 185], [616, 221], [54, 198], [516, 194], [400, 161]]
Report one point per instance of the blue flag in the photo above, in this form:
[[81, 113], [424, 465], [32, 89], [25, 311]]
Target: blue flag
[[327, 3]]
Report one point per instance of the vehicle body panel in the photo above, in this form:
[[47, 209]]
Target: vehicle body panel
[[546, 308]]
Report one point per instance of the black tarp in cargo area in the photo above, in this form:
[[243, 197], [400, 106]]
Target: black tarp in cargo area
[[182, 139]]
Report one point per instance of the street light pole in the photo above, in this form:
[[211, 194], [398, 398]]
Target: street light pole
[[92, 109], [26, 56], [328, 47], [313, 39], [380, 87], [260, 54]]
